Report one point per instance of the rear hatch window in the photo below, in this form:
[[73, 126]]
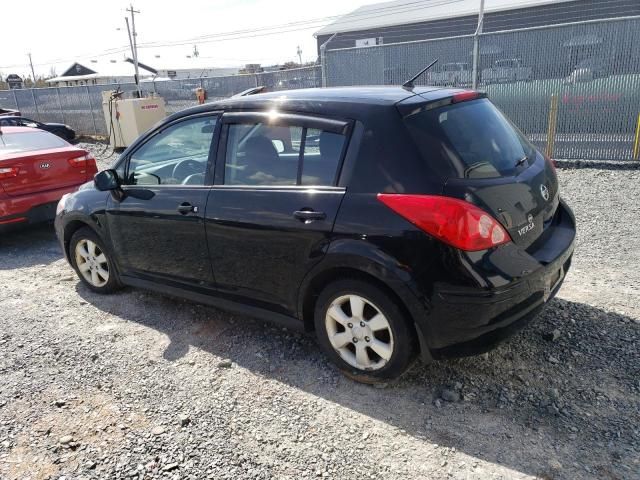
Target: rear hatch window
[[483, 158], [470, 139]]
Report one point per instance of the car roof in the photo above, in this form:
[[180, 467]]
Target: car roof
[[349, 102], [19, 130], [15, 117]]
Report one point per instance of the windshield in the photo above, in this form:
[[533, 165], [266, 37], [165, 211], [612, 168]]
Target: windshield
[[29, 141], [474, 138]]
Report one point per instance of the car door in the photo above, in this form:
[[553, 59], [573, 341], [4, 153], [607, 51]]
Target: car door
[[271, 211], [157, 224]]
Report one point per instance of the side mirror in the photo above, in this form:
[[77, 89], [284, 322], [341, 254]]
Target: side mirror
[[106, 180]]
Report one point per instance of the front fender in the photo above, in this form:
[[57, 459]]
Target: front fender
[[84, 207]]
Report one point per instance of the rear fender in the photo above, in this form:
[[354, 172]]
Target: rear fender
[[361, 256]]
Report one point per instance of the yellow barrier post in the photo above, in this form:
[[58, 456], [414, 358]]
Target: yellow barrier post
[[636, 144], [553, 122]]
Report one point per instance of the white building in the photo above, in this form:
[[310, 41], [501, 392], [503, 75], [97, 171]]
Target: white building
[[99, 72], [103, 71], [185, 68]]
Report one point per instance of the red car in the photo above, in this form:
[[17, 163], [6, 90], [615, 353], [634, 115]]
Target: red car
[[36, 169]]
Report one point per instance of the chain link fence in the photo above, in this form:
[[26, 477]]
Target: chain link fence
[[581, 79], [573, 88], [81, 107]]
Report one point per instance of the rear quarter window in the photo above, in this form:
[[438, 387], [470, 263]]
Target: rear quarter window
[[471, 139]]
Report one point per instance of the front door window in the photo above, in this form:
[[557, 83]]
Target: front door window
[[177, 155]]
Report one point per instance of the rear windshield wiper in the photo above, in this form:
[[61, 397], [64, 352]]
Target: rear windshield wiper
[[522, 160]]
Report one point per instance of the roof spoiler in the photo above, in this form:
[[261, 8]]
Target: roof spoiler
[[418, 103], [250, 91]]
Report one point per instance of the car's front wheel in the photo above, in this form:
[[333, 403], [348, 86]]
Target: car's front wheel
[[92, 262], [363, 331]]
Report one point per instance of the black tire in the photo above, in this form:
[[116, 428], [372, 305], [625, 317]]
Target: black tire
[[404, 340], [113, 283]]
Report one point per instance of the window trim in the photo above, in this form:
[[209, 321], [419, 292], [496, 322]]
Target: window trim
[[211, 159], [288, 119], [341, 127]]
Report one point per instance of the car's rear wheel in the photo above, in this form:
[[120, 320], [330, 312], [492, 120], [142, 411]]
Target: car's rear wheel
[[363, 331], [92, 262]]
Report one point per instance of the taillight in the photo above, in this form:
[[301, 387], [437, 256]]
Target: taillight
[[82, 162], [8, 172], [455, 222]]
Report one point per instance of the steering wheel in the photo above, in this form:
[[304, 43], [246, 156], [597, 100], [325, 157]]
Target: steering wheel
[[185, 168]]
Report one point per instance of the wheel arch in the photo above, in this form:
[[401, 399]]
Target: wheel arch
[[328, 276], [75, 223], [69, 229], [336, 266]]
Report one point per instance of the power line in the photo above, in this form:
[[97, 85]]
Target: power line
[[310, 23], [239, 37], [105, 53], [399, 9], [372, 13]]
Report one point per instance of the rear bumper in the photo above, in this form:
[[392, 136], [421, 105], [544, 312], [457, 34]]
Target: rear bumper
[[31, 208], [467, 321]]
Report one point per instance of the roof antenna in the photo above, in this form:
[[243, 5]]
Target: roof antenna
[[409, 83]]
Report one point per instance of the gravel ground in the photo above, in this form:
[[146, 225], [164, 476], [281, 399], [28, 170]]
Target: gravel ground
[[136, 385]]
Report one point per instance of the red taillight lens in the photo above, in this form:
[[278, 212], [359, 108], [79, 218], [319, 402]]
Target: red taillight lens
[[456, 222], [82, 162], [8, 172], [465, 96]]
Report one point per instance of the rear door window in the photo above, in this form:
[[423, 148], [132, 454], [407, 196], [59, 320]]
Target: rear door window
[[474, 139], [262, 154], [322, 153]]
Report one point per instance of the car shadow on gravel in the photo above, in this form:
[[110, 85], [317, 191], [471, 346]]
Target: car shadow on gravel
[[558, 400], [29, 246]]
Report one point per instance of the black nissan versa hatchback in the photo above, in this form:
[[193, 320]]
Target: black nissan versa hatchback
[[394, 222]]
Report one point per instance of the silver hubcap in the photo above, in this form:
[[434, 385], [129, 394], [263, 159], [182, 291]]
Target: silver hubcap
[[92, 263], [359, 332]]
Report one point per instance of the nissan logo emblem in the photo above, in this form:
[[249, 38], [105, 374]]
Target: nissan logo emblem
[[544, 191]]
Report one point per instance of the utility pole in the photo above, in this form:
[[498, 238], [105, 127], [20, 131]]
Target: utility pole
[[33, 73], [300, 54], [134, 45], [323, 59], [476, 47]]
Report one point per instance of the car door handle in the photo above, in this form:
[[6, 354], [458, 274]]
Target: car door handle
[[186, 207], [308, 216]]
